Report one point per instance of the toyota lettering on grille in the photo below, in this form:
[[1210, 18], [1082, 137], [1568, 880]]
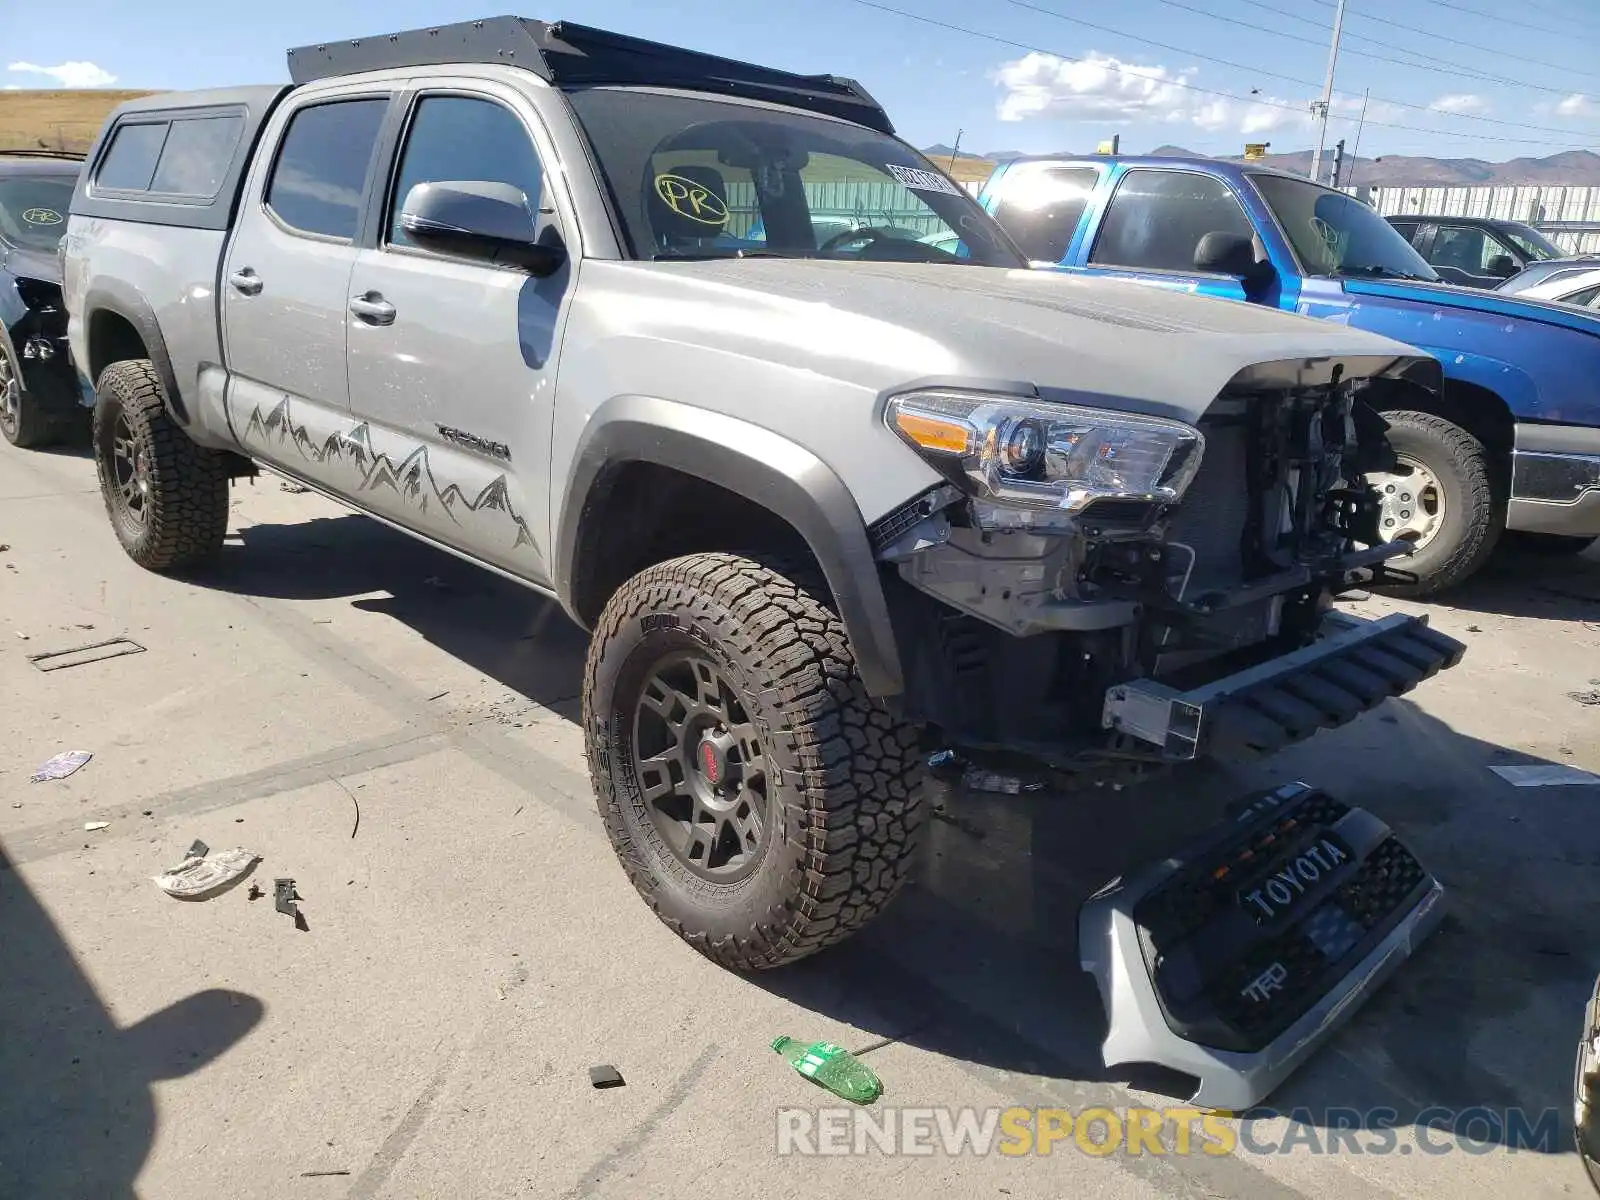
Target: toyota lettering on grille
[[1278, 892]]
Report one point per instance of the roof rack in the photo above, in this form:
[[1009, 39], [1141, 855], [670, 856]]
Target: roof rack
[[24, 152], [569, 55]]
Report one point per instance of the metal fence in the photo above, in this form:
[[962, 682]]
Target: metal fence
[[1569, 214]]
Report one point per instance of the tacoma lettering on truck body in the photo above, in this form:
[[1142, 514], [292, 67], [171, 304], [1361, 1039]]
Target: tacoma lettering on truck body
[[828, 499]]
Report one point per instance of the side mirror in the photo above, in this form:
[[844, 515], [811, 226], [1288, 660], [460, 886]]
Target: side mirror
[[1230, 254], [482, 220], [1502, 265]]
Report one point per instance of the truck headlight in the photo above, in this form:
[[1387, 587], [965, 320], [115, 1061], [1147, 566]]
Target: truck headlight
[[1036, 454]]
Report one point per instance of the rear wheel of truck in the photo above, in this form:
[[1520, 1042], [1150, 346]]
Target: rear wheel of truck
[[167, 497], [23, 422], [1438, 495], [759, 801]]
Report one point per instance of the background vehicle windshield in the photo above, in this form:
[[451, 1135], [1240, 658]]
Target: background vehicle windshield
[[33, 210], [702, 178], [1335, 234], [1534, 244]]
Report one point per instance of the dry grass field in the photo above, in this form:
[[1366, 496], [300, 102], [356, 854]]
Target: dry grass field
[[56, 120]]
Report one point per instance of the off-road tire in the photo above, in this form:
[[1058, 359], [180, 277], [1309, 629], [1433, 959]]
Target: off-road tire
[[1474, 516], [187, 499], [32, 427], [847, 796]]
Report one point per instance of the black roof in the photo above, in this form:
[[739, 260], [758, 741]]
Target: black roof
[[570, 55]]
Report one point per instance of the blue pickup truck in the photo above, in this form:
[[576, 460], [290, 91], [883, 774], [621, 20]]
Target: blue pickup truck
[[1512, 442]]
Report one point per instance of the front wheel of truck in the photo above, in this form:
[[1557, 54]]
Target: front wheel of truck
[[1439, 495], [760, 802], [167, 497]]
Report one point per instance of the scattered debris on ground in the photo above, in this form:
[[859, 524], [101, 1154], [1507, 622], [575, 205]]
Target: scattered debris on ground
[[294, 489], [61, 765], [318, 1174], [606, 1076], [81, 656], [284, 897], [440, 696], [95, 826], [203, 875], [1545, 775], [1589, 699], [338, 784], [1473, 629], [832, 1067]]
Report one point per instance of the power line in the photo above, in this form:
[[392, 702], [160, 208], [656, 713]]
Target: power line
[[1439, 37], [1178, 83], [1261, 71], [1463, 71], [1499, 18]]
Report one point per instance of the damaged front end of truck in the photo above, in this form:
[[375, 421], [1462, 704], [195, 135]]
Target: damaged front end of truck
[[1093, 587]]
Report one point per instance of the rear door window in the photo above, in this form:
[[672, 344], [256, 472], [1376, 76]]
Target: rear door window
[[1157, 218], [1041, 208], [320, 176]]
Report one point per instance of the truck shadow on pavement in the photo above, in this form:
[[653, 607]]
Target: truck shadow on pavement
[[1543, 587], [77, 1113], [978, 959]]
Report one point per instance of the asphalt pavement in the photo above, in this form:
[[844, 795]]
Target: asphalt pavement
[[395, 731]]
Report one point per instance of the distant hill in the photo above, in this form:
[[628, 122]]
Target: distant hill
[[66, 119], [1567, 167]]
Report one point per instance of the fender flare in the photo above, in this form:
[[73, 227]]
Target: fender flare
[[127, 302], [765, 468]]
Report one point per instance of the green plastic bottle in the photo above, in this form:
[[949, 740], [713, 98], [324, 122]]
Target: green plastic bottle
[[832, 1067]]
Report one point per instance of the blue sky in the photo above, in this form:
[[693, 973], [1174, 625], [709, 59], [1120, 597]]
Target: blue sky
[[1006, 77]]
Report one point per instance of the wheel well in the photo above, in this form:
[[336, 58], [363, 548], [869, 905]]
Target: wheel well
[[640, 514], [112, 339], [1476, 409]]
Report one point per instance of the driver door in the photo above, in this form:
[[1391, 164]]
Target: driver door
[[452, 360]]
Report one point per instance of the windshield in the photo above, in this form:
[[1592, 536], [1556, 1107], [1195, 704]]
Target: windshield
[[703, 178], [33, 210], [1335, 234], [1534, 244]]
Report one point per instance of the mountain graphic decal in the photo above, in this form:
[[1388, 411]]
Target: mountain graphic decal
[[411, 479]]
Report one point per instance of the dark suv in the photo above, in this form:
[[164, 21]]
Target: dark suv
[[40, 400], [1475, 251]]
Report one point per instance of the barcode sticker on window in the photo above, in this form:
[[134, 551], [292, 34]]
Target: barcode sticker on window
[[922, 181]]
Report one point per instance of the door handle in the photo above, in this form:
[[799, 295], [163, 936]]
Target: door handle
[[372, 308], [246, 281]]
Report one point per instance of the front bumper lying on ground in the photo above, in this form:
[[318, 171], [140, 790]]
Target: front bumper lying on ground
[[1354, 666], [1234, 958]]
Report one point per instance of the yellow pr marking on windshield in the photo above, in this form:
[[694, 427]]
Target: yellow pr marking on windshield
[[692, 200], [41, 216]]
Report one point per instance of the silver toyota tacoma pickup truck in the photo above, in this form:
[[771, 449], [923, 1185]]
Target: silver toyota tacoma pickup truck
[[685, 344]]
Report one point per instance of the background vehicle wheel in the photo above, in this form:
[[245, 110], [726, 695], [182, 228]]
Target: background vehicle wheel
[[761, 804], [22, 422], [1546, 543], [1440, 496], [167, 497]]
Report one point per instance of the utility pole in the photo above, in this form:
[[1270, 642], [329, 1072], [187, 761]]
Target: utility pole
[[955, 150], [1338, 163], [1320, 108]]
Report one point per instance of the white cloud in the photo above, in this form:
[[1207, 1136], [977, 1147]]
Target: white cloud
[[1099, 88], [68, 74], [1106, 89], [1577, 105], [1459, 103]]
